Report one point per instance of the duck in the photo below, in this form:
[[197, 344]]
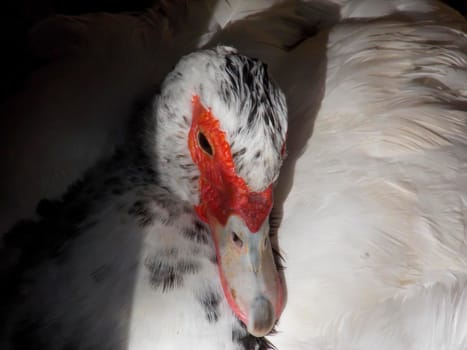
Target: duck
[[177, 216], [369, 206]]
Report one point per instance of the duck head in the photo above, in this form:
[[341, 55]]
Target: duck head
[[220, 128]]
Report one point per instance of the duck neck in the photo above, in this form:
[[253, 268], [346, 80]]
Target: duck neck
[[165, 142]]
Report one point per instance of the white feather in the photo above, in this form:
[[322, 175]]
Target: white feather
[[374, 225]]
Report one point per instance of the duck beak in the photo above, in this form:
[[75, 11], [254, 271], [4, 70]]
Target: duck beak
[[249, 276]]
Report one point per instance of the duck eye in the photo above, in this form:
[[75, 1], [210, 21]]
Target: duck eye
[[204, 144]]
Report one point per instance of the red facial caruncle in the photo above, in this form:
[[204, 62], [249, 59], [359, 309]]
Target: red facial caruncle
[[221, 189]]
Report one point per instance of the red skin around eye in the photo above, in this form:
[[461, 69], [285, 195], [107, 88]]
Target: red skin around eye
[[222, 191]]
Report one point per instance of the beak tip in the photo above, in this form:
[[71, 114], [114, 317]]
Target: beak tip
[[262, 318]]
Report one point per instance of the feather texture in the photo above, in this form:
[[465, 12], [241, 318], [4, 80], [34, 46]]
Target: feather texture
[[374, 226]]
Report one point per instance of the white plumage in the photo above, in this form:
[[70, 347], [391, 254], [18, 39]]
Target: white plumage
[[374, 225], [374, 209]]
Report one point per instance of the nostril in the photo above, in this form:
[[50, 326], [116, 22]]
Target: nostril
[[237, 240], [261, 318]]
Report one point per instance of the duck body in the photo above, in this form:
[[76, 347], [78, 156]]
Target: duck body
[[373, 230]]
